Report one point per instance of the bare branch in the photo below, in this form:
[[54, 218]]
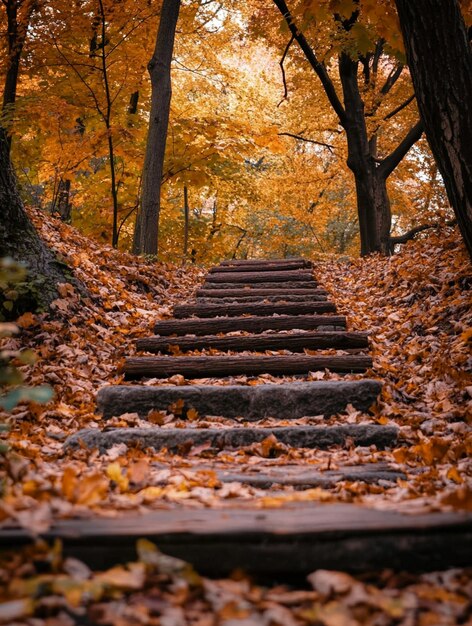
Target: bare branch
[[311, 57], [284, 77], [300, 138], [388, 164], [399, 108]]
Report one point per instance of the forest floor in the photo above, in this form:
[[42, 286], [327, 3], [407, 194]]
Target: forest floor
[[417, 306]]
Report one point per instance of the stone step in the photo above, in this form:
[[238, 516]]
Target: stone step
[[182, 439], [248, 403]]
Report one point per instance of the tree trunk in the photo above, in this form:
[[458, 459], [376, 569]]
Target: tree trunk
[[440, 60], [159, 70], [20, 241], [186, 221], [373, 203]]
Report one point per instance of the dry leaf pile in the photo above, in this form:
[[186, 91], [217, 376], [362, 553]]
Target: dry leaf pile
[[416, 305], [43, 589]]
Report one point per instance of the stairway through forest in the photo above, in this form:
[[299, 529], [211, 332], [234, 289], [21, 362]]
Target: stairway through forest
[[242, 311]]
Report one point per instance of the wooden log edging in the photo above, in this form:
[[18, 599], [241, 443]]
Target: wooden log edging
[[259, 267], [212, 326], [214, 366], [251, 403], [183, 311], [303, 477], [293, 540], [281, 287], [260, 277], [295, 342], [260, 293], [174, 439], [280, 299], [249, 262]]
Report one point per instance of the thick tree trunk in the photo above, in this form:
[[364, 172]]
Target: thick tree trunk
[[20, 241], [159, 70], [440, 60]]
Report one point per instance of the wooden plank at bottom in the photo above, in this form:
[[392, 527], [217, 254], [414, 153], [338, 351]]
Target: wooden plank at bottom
[[321, 437], [293, 540]]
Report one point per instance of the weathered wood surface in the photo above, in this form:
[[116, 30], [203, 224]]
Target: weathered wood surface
[[295, 342], [260, 277], [303, 477], [293, 540], [250, 262], [255, 308], [248, 403], [212, 366], [281, 287], [313, 297], [252, 293], [259, 267], [174, 439], [211, 326]]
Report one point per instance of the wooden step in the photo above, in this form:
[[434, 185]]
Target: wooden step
[[213, 326], [295, 539], [260, 277], [313, 297], [260, 267], [182, 439], [249, 403], [255, 308], [249, 262], [260, 293], [215, 366], [281, 287], [303, 477], [295, 342]]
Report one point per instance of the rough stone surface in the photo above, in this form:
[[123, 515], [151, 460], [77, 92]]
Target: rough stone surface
[[286, 401], [182, 438]]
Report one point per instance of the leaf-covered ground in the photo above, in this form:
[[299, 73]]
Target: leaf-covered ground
[[417, 307]]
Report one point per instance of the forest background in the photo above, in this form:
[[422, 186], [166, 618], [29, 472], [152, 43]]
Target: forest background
[[256, 160]]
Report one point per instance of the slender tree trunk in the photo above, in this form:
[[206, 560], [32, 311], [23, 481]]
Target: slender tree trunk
[[186, 221], [16, 37], [159, 70], [373, 205], [440, 60]]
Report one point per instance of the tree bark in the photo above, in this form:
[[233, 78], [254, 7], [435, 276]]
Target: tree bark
[[20, 241], [440, 60], [159, 70], [186, 222]]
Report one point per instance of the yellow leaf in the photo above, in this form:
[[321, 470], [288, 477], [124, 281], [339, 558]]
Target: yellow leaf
[[114, 473]]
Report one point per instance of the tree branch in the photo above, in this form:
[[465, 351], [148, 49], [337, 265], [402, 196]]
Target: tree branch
[[409, 235], [388, 164], [300, 138], [399, 108], [314, 62], [392, 79], [284, 77]]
